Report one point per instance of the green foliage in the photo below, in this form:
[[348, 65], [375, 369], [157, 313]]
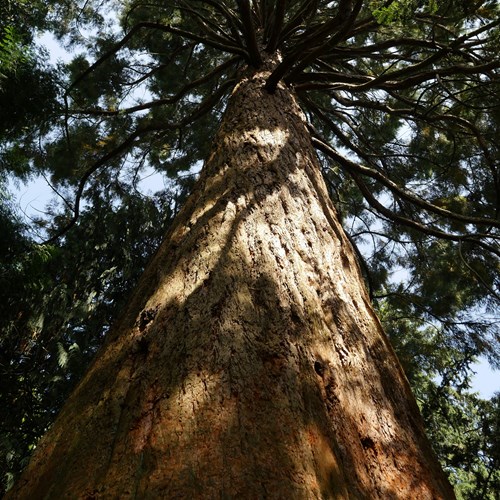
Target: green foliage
[[389, 12], [466, 434], [13, 52], [464, 429], [28, 99], [58, 302]]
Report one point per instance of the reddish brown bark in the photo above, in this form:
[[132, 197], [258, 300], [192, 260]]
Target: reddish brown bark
[[249, 363]]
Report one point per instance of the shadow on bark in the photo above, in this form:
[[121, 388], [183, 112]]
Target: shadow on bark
[[249, 363]]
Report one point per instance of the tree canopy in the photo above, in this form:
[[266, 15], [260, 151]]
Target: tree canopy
[[402, 101]]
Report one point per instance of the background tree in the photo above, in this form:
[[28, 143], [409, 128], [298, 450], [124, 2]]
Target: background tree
[[402, 101]]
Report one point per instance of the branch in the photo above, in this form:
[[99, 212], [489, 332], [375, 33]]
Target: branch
[[346, 16], [153, 70], [93, 168], [232, 19], [402, 193], [354, 169], [202, 109], [341, 81], [157, 26], [412, 81], [403, 78], [476, 274], [210, 31], [305, 11], [312, 43], [411, 114], [249, 32], [65, 201], [277, 27], [160, 102]]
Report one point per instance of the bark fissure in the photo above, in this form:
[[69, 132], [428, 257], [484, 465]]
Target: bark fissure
[[249, 363]]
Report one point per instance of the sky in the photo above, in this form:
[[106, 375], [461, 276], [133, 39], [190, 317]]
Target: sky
[[33, 197]]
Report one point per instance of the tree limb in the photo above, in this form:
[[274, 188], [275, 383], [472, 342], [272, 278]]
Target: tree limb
[[249, 33], [354, 170]]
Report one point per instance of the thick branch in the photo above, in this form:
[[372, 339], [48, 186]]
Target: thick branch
[[160, 27], [232, 19], [204, 21], [249, 32], [312, 43], [354, 170], [279, 17], [347, 15], [387, 81], [305, 12], [384, 180]]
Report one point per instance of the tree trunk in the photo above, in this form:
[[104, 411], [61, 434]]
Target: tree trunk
[[249, 362]]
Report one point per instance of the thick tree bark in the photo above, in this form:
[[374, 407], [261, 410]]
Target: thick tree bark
[[249, 363]]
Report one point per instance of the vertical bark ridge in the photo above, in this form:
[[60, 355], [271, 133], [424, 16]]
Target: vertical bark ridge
[[249, 363]]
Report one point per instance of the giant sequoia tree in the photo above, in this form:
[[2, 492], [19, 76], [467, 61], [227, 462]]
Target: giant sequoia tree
[[249, 361]]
